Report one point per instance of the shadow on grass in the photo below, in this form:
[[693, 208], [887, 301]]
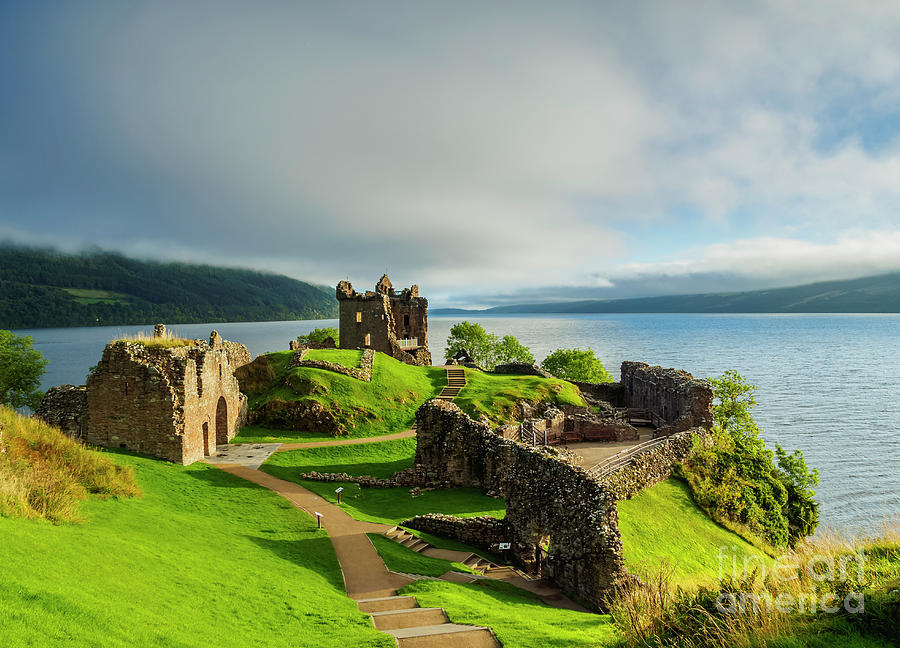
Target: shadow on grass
[[220, 479], [314, 553]]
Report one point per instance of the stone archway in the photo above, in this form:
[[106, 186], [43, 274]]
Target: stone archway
[[206, 451], [221, 422]]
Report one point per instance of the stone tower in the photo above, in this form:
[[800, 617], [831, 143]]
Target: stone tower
[[385, 320]]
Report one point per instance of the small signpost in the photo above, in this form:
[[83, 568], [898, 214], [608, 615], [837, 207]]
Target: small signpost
[[505, 546], [318, 520], [339, 491]]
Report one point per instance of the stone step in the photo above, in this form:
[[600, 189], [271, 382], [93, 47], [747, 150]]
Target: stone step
[[445, 635], [408, 618], [386, 603]]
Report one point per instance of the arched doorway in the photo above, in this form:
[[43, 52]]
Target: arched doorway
[[206, 451], [221, 422]]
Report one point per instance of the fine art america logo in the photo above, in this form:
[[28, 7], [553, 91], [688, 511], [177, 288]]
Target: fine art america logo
[[805, 584]]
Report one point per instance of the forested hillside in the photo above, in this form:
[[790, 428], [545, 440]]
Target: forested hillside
[[45, 288]]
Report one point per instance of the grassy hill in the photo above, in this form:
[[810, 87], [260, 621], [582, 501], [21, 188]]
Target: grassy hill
[[385, 405], [496, 396], [878, 294], [45, 288]]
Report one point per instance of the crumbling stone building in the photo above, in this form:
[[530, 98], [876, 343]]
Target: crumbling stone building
[[385, 320], [176, 403], [561, 518]]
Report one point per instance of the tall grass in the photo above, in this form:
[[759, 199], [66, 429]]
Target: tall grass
[[167, 341], [45, 474], [823, 571]]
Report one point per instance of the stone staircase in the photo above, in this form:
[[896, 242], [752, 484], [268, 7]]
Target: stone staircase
[[417, 627], [473, 561], [456, 380]]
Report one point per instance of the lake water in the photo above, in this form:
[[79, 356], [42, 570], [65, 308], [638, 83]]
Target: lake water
[[828, 384]]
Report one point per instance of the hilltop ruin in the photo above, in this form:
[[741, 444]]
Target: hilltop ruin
[[385, 320]]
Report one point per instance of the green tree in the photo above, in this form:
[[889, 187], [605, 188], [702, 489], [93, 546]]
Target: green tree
[[319, 335], [485, 349], [509, 349], [576, 364], [734, 476], [21, 368]]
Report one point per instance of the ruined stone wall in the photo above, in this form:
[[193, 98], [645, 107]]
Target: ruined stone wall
[[65, 407], [175, 403], [650, 468], [549, 498], [484, 531], [675, 396], [362, 372], [612, 393]]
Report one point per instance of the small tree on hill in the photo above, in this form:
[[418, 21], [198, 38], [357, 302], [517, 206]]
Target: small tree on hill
[[21, 368], [485, 349], [319, 335], [576, 364], [509, 349]]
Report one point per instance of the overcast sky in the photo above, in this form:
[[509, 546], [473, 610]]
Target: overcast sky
[[488, 151]]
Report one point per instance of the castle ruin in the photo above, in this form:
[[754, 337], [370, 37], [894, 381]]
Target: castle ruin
[[384, 320], [173, 402]]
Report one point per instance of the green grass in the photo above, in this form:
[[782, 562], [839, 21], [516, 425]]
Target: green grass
[[518, 618], [202, 559], [403, 559], [88, 296], [379, 459], [345, 357], [385, 405], [496, 396], [662, 527]]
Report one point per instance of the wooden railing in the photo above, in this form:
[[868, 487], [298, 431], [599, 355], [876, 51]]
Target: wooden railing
[[408, 343], [621, 459]]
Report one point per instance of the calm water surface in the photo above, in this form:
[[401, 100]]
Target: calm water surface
[[828, 384]]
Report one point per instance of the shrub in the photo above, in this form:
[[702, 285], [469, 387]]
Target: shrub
[[21, 368], [576, 364], [45, 474], [732, 474], [319, 335]]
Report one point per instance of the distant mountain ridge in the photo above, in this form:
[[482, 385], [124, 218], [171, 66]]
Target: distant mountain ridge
[[46, 288], [877, 294]]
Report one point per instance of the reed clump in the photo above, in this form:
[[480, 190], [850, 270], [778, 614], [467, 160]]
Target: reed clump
[[45, 474]]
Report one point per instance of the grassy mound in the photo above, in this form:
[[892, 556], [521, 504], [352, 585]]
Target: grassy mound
[[45, 474], [345, 357], [203, 559], [517, 617], [385, 405], [379, 459], [496, 396], [403, 559], [662, 528]]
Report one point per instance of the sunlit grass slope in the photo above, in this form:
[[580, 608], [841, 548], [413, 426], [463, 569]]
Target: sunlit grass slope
[[496, 396], [385, 405], [44, 474], [518, 618], [202, 559], [379, 459], [662, 528]]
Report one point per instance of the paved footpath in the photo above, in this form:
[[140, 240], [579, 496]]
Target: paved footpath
[[365, 575]]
